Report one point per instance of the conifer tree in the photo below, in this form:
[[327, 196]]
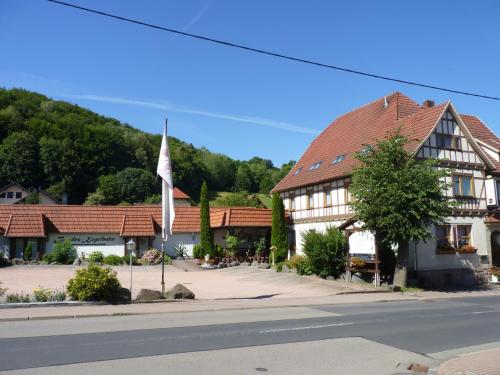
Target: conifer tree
[[206, 234], [278, 231]]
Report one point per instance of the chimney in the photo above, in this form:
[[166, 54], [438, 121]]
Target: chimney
[[428, 103]]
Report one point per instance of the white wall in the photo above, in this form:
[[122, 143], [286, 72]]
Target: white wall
[[106, 243], [188, 239], [302, 229]]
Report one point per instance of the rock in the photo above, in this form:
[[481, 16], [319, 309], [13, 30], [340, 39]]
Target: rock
[[179, 291], [123, 295], [84, 263], [222, 265], [34, 261], [77, 261], [255, 263], [285, 269], [396, 288], [148, 295], [234, 263], [264, 266], [245, 264], [17, 261]]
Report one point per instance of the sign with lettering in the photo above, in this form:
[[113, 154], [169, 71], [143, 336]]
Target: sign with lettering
[[89, 240]]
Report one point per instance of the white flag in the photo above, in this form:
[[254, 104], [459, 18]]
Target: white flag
[[164, 170]]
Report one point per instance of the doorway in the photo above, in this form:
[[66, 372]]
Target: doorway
[[495, 248]]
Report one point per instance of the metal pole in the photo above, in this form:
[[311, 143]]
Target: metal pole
[[162, 267], [130, 275]]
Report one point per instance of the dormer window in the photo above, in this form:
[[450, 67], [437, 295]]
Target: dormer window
[[365, 150], [338, 159], [297, 171], [315, 166]]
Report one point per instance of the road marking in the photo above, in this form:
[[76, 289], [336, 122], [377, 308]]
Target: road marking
[[304, 328], [485, 312]]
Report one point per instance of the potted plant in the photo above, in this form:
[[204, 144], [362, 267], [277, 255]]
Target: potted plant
[[495, 274], [467, 249], [445, 248]]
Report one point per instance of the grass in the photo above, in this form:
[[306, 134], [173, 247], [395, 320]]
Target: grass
[[411, 289], [266, 200]]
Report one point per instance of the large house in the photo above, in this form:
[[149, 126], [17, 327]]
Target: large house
[[316, 191]]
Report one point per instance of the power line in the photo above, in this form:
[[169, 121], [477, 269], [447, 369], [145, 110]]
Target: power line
[[270, 53]]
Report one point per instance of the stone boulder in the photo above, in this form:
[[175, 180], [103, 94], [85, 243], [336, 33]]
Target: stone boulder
[[255, 263], [149, 295], [77, 261], [234, 263], [285, 269], [264, 266], [222, 265], [179, 291]]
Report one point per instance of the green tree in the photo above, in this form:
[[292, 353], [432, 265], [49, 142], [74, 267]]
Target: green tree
[[19, 159], [398, 197], [237, 199], [206, 234], [279, 237], [243, 180], [132, 185]]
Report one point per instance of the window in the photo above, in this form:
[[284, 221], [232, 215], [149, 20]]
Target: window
[[444, 237], [19, 195], [310, 200], [292, 202], [448, 141], [10, 194], [338, 159], [327, 196], [2, 195], [463, 186], [297, 171], [365, 150], [315, 166], [463, 235], [347, 195]]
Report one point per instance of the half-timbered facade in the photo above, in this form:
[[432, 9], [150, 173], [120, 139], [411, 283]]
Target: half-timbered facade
[[316, 191]]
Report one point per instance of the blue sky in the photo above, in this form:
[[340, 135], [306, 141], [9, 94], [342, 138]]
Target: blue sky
[[236, 102]]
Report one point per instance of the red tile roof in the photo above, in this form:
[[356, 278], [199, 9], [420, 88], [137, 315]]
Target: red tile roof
[[482, 132], [365, 125], [144, 220], [179, 194]]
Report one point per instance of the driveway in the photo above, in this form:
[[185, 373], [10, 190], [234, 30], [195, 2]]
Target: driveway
[[242, 282]]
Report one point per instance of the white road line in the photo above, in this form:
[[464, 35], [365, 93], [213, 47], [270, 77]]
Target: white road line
[[304, 328]]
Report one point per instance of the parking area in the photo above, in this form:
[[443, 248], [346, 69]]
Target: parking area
[[242, 282]]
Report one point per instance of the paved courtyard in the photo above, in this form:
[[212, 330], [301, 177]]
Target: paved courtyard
[[242, 282]]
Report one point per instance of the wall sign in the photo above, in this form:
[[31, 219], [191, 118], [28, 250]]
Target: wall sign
[[89, 240]]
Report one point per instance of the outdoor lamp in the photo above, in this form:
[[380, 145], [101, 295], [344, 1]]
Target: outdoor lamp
[[131, 248]]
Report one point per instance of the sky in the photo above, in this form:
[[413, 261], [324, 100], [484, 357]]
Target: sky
[[240, 103]]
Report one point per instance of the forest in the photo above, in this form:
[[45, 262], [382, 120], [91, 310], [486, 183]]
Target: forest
[[64, 149]]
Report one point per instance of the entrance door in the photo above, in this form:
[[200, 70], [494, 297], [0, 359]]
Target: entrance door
[[495, 248]]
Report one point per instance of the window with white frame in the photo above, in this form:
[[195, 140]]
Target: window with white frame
[[327, 196], [463, 185]]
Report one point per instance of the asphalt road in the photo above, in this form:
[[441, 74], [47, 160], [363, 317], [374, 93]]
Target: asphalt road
[[421, 327]]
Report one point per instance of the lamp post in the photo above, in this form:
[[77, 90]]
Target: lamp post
[[131, 248]]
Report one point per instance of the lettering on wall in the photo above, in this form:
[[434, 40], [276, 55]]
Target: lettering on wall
[[89, 240]]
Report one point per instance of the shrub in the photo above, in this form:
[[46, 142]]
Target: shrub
[[59, 296], [166, 259], [2, 290], [180, 250], [232, 243], [63, 253], [325, 251], [303, 266], [95, 257], [42, 294], [4, 261], [260, 246], [28, 251], [198, 252], [17, 298], [113, 260], [94, 283], [126, 260], [218, 251], [296, 259], [279, 266], [151, 256]]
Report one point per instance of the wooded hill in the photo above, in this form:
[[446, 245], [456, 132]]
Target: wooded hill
[[61, 147]]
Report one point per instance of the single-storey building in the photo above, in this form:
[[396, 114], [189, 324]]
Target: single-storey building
[[108, 228]]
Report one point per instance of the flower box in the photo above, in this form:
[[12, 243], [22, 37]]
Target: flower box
[[467, 249]]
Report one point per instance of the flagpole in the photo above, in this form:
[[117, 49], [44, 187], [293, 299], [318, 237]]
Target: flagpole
[[164, 192]]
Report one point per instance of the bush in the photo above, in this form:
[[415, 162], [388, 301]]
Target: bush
[[303, 266], [62, 253], [180, 250], [260, 246], [28, 251], [198, 252], [113, 260], [167, 259], [325, 251], [17, 298], [2, 290], [135, 260], [94, 283], [151, 256], [218, 251], [232, 243], [4, 261], [96, 257], [59, 296], [42, 294]]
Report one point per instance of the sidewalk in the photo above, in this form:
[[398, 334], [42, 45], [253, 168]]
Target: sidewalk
[[64, 311], [485, 362]]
